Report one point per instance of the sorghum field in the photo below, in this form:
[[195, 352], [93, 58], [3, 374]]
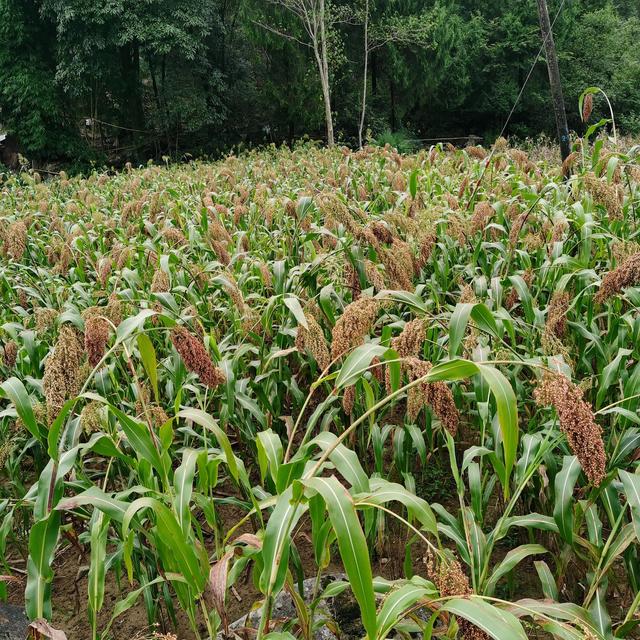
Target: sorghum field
[[412, 379]]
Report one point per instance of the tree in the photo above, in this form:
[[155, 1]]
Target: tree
[[173, 76], [136, 64], [31, 106], [409, 30], [314, 19]]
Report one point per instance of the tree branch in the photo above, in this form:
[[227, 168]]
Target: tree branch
[[283, 34]]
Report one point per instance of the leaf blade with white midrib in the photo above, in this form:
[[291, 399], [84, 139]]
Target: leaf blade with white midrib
[[352, 545]]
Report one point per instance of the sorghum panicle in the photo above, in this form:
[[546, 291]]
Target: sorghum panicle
[[313, 341], [63, 370], [10, 354], [577, 422], [353, 325], [436, 395], [195, 357], [410, 341], [626, 275], [556, 315]]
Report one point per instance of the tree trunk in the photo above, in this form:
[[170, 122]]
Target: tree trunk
[[156, 93], [392, 96], [374, 74], [324, 76], [364, 73], [131, 94], [554, 79], [326, 96], [131, 116]]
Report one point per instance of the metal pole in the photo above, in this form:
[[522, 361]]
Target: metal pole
[[554, 79]]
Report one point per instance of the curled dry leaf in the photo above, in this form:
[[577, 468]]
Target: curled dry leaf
[[40, 629], [216, 587]]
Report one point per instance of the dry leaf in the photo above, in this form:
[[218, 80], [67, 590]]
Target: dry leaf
[[40, 629]]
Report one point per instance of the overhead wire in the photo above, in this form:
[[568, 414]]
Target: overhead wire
[[515, 104]]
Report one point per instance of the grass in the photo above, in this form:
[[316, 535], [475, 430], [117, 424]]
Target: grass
[[331, 346]]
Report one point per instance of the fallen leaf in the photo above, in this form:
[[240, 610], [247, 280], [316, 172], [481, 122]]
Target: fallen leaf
[[40, 629]]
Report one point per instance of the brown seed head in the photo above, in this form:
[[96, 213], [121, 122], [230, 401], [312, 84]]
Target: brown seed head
[[63, 370], [45, 318], [556, 314], [452, 201], [501, 144], [381, 231], [104, 270], [114, 310], [587, 107], [456, 228], [96, 337], [349, 399], [624, 249], [15, 240], [239, 212], [467, 295], [174, 237], [160, 282], [374, 277], [196, 358], [398, 182], [557, 231], [266, 274], [521, 159], [352, 281], [353, 325], [533, 241], [609, 196], [482, 214], [463, 187], [577, 422], [626, 275], [399, 264], [410, 341], [516, 228], [476, 152], [568, 163], [365, 234], [436, 395], [91, 417], [121, 255], [425, 249], [337, 213], [220, 249], [217, 230], [233, 291], [313, 341], [10, 354], [451, 581]]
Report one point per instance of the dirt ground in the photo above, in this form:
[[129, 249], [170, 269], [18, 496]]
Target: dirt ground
[[70, 589], [71, 566]]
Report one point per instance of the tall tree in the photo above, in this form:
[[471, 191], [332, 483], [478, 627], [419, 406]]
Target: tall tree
[[313, 17], [554, 79], [31, 106], [112, 54], [391, 26]]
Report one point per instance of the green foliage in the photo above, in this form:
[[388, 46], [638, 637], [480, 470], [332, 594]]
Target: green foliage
[[32, 107], [113, 82], [400, 140]]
